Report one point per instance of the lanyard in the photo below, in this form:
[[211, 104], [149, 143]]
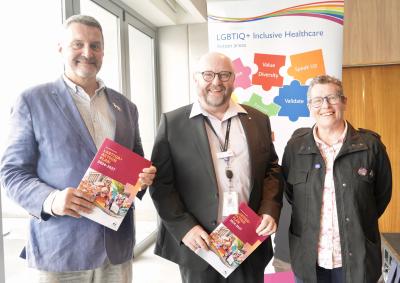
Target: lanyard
[[224, 147]]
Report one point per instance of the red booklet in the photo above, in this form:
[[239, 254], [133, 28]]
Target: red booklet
[[112, 178], [233, 241]]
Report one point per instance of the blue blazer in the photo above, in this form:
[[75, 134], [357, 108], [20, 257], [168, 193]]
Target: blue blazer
[[50, 149]]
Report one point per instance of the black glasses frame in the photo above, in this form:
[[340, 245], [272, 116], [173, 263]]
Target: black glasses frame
[[332, 99], [209, 76]]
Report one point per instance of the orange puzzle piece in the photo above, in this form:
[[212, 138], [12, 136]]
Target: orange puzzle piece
[[307, 65]]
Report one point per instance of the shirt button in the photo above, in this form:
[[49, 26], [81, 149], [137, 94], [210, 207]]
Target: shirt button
[[214, 222], [344, 184], [347, 219], [350, 254]]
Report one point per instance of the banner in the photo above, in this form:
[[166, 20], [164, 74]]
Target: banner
[[276, 48]]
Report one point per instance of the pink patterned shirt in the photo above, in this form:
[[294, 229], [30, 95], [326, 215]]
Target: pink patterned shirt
[[329, 251]]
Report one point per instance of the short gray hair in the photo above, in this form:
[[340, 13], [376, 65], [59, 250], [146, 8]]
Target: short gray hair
[[84, 20], [326, 79]]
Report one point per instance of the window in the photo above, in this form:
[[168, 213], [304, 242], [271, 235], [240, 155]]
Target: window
[[142, 86]]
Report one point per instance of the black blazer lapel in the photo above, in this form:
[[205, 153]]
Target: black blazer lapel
[[200, 139]]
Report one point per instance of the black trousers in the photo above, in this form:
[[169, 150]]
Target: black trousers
[[328, 275], [245, 273]]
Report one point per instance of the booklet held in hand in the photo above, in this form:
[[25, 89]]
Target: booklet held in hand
[[233, 241], [112, 179]]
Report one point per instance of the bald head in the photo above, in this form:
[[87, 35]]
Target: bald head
[[214, 59]]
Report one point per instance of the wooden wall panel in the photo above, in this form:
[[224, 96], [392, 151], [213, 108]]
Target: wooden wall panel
[[374, 103], [371, 32]]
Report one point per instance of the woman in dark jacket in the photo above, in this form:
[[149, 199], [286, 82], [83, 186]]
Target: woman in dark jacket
[[339, 183]]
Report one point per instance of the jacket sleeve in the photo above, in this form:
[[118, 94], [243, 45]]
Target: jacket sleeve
[[285, 170], [19, 163], [383, 181], [163, 192], [138, 147]]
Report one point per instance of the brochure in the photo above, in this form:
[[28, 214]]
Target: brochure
[[233, 241], [112, 178]]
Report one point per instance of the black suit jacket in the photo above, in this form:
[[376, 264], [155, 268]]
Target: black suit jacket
[[185, 190]]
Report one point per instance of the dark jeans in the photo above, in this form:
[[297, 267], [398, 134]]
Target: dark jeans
[[245, 273], [327, 275]]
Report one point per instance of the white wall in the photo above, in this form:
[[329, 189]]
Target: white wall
[[180, 47]]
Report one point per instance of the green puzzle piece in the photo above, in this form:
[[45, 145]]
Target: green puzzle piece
[[256, 102]]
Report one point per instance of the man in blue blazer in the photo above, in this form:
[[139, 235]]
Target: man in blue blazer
[[56, 130]]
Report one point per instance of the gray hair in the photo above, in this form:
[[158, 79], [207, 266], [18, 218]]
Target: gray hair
[[325, 79], [84, 20]]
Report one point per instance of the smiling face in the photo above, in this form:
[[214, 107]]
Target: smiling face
[[214, 95], [328, 116], [82, 49]]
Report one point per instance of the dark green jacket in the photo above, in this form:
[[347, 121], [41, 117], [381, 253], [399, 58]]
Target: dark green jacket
[[363, 186]]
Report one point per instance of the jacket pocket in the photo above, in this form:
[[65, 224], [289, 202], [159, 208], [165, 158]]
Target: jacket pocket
[[297, 177], [298, 181]]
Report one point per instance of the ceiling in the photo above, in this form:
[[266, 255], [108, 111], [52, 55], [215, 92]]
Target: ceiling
[[170, 12]]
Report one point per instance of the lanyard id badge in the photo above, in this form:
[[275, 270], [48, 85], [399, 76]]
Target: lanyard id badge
[[230, 204], [225, 154]]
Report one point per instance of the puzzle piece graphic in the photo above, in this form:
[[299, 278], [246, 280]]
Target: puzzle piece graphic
[[257, 103], [293, 100], [268, 70], [307, 65], [242, 74]]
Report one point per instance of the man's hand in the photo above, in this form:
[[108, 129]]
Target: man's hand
[[72, 202], [267, 226], [196, 238], [147, 176]]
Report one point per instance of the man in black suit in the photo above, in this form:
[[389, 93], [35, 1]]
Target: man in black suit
[[212, 155]]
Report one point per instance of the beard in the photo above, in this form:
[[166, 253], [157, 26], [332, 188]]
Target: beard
[[86, 68], [217, 100]]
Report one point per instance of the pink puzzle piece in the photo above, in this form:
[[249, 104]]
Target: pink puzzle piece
[[307, 65], [268, 70], [242, 74]]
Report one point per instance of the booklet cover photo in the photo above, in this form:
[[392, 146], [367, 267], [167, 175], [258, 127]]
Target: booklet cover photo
[[233, 241], [112, 179]]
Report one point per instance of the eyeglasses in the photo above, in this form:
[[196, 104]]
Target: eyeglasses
[[332, 99], [223, 76]]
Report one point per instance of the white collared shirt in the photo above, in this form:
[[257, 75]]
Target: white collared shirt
[[329, 249], [239, 163], [95, 111]]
